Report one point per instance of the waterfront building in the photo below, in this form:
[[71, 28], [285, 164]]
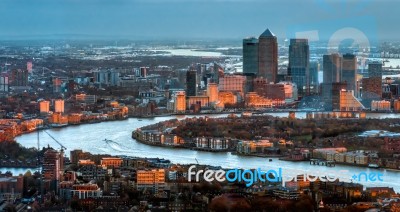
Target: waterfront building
[[349, 72], [180, 102], [381, 105], [212, 143], [348, 102], [257, 101], [111, 162], [281, 90], [191, 83], [254, 147], [59, 106], [202, 101], [212, 92], [153, 180], [268, 56], [233, 83], [44, 106], [299, 65], [58, 119], [227, 98], [250, 56]]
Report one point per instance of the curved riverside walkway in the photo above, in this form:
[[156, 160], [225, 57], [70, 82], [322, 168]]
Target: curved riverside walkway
[[90, 137]]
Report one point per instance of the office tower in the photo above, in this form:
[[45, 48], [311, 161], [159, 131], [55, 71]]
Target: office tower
[[191, 83], [250, 56], [59, 106], [180, 102], [299, 64], [52, 165], [44, 106], [212, 92], [375, 69], [349, 72], [331, 86], [314, 79], [268, 56], [332, 67]]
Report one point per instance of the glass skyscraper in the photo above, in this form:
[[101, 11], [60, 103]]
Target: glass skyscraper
[[250, 56], [299, 65]]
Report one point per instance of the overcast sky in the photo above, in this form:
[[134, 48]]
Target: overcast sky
[[161, 19]]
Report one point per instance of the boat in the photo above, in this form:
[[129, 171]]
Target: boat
[[373, 165], [270, 160], [58, 125]]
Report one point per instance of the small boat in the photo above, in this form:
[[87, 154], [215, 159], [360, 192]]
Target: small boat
[[372, 165], [270, 160], [140, 120]]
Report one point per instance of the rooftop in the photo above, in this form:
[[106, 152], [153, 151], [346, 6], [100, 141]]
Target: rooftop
[[267, 33]]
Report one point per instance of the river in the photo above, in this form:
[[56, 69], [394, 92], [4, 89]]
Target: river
[[89, 137]]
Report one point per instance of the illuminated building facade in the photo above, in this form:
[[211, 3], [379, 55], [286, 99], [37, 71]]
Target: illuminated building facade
[[180, 102], [212, 92], [227, 98], [348, 102], [59, 106], [153, 179], [233, 83], [111, 162], [44, 106]]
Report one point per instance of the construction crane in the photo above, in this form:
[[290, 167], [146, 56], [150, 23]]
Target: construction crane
[[59, 143]]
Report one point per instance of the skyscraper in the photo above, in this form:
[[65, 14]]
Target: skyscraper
[[332, 66], [349, 72], [212, 92], [191, 83], [331, 86], [375, 69], [299, 64], [268, 56], [250, 56], [314, 79]]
